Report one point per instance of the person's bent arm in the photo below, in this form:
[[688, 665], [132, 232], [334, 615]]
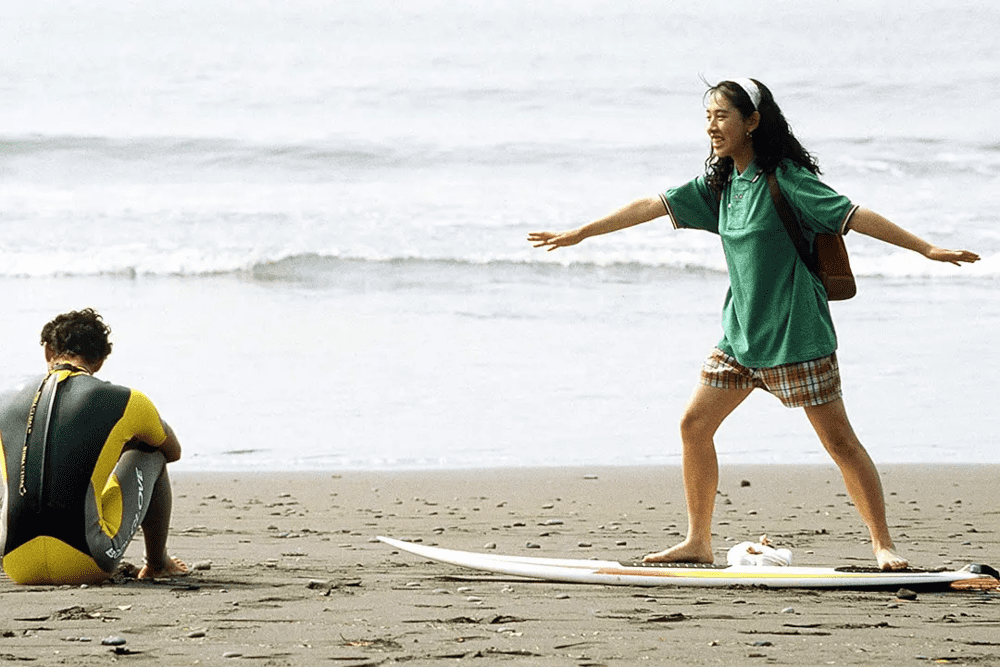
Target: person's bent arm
[[635, 213], [872, 224], [171, 447]]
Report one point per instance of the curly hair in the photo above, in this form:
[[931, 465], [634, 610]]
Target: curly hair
[[79, 333], [773, 140]]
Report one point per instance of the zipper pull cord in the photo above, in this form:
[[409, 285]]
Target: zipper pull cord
[[22, 489]]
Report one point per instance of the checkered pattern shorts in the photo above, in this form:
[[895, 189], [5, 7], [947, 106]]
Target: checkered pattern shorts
[[797, 385]]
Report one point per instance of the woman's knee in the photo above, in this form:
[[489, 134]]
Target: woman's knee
[[835, 431], [706, 411], [843, 446], [697, 425]]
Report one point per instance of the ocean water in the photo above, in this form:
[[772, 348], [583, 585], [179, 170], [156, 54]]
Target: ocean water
[[305, 221]]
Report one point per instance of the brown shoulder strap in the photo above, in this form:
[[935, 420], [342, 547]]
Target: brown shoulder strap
[[790, 221]]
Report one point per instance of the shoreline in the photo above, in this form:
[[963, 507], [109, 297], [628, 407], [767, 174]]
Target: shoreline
[[294, 575]]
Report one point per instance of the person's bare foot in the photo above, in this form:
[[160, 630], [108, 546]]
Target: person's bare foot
[[682, 553], [173, 568], [887, 560]]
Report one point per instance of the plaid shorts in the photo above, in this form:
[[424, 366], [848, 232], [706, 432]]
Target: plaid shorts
[[797, 385]]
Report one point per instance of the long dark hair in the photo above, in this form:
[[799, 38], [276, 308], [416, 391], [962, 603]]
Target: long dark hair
[[773, 140]]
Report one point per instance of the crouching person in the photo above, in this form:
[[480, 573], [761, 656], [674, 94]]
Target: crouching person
[[84, 466]]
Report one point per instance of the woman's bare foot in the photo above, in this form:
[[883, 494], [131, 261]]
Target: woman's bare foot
[[173, 568], [887, 560], [682, 553]]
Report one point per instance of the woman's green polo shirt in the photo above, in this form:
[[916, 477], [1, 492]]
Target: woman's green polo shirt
[[776, 311]]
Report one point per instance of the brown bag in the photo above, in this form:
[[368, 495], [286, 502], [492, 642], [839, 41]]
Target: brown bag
[[828, 259]]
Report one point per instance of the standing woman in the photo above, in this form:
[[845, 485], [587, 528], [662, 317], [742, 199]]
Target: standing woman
[[778, 333]]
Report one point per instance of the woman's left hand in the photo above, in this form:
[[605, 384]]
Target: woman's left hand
[[955, 257]]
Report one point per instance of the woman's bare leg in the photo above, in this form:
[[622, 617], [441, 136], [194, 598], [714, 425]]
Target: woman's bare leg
[[860, 476], [705, 412]]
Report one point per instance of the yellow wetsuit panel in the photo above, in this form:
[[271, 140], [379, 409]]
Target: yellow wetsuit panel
[[110, 504], [47, 560], [141, 420]]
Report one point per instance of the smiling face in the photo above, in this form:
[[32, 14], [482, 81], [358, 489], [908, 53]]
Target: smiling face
[[729, 131]]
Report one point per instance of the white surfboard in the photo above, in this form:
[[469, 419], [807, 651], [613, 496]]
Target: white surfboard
[[613, 573]]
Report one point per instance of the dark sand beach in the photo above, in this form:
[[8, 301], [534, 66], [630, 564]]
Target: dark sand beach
[[290, 574]]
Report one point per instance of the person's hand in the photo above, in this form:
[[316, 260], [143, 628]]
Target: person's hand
[[554, 240], [955, 257]]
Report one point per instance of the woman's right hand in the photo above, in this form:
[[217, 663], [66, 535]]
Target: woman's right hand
[[555, 240], [636, 213]]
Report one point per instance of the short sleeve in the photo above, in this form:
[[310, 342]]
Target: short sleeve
[[144, 420], [692, 206], [818, 206]]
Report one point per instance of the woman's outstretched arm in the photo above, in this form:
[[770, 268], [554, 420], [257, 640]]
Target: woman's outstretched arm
[[636, 213], [872, 224]]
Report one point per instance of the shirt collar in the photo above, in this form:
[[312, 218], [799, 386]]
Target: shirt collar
[[750, 173]]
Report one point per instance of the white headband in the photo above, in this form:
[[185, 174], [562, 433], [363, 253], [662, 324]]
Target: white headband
[[751, 89]]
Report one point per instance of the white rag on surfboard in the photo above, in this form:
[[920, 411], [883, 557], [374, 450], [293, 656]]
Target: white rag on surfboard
[[758, 553]]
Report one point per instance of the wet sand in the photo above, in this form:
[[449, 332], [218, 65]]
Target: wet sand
[[290, 574]]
